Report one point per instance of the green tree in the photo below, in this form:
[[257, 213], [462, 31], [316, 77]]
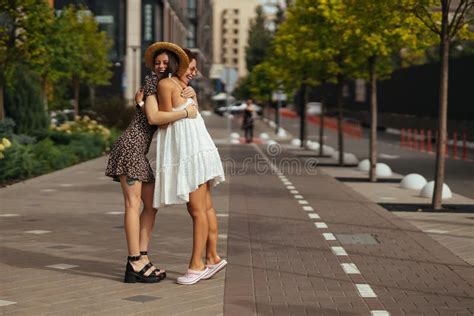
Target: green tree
[[295, 57], [23, 102], [85, 51], [242, 89], [97, 65], [382, 28], [20, 32], [259, 40], [446, 19], [51, 58], [317, 37]]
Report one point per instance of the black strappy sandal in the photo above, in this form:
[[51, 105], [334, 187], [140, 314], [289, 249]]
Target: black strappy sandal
[[131, 276], [161, 275]]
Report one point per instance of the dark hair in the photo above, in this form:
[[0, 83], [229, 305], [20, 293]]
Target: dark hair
[[173, 63], [190, 54]]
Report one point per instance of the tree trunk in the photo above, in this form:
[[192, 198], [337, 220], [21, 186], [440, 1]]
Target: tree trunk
[[45, 94], [76, 96], [340, 117], [92, 95], [373, 119], [321, 121], [443, 113], [303, 115], [277, 114], [2, 102]]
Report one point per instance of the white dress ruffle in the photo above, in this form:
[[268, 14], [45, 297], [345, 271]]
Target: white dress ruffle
[[186, 158]]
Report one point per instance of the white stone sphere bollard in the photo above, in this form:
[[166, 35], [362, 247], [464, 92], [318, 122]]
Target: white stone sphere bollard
[[350, 159], [328, 150], [296, 142], [383, 170], [364, 165], [235, 136], [313, 146], [428, 191], [413, 181], [281, 133], [264, 136]]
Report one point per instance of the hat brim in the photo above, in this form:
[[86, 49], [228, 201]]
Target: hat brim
[[183, 58]]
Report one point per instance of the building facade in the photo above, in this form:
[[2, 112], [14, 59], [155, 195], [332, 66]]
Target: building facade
[[231, 21], [135, 24]]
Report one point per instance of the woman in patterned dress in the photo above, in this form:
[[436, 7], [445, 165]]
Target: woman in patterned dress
[[129, 165]]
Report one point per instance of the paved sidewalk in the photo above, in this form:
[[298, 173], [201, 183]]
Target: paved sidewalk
[[63, 249], [297, 244], [308, 244]]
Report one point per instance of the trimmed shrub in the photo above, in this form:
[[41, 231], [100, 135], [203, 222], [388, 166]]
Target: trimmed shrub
[[23, 103], [19, 163], [53, 157]]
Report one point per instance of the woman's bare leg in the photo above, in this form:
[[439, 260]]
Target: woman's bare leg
[[197, 210], [148, 215], [147, 219], [132, 197], [211, 246]]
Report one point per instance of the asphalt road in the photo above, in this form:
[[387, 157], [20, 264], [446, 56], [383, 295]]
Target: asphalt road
[[459, 173]]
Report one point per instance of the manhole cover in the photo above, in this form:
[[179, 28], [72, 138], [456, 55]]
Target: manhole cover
[[59, 247], [357, 239], [142, 298]]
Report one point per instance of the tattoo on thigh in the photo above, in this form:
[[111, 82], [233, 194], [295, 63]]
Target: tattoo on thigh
[[131, 182]]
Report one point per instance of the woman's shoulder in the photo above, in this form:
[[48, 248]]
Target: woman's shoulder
[[166, 82]]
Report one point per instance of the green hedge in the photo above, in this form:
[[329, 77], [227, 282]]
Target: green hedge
[[53, 151]]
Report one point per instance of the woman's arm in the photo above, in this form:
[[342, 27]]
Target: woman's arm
[[157, 117]]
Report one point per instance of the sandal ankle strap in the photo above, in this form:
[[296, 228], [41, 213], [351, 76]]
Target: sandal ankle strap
[[134, 258], [143, 253]]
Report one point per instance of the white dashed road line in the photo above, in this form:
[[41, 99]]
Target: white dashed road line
[[339, 251], [364, 290], [320, 225], [329, 236]]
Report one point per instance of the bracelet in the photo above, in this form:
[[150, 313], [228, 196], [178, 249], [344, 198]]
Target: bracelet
[[187, 114]]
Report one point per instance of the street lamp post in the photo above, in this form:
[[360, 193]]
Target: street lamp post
[[229, 77], [134, 67], [277, 114]]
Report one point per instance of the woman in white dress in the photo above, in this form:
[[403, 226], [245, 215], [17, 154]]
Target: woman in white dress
[[188, 164]]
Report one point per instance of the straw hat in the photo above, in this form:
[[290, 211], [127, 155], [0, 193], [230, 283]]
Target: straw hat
[[183, 58]]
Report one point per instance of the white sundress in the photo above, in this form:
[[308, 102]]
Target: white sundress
[[186, 158]]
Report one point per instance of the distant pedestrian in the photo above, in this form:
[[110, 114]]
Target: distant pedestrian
[[248, 119]]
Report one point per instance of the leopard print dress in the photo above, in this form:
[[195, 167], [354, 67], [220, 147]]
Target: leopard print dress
[[128, 154]]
